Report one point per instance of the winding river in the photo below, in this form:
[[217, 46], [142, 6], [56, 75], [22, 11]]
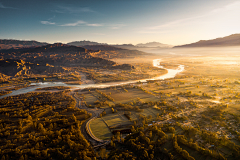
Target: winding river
[[156, 63]]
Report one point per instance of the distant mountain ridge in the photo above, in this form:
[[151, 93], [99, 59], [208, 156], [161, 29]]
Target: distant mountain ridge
[[85, 43], [102, 47], [154, 44], [15, 44], [123, 46], [232, 40], [6, 44]]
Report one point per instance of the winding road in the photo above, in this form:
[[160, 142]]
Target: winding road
[[85, 127]]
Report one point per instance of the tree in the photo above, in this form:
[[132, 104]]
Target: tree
[[133, 129], [112, 143], [150, 147], [151, 156], [118, 136], [145, 154], [150, 117], [21, 158], [50, 127], [185, 154], [150, 134], [29, 117], [103, 153], [44, 153], [171, 129], [104, 112]]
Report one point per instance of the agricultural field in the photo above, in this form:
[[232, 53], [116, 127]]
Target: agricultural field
[[192, 116], [180, 97], [128, 94], [99, 129], [199, 109], [115, 95]]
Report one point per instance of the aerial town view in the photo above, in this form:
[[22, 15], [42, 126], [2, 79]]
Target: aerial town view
[[120, 80]]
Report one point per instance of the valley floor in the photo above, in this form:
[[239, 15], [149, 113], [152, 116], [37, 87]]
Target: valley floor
[[192, 116]]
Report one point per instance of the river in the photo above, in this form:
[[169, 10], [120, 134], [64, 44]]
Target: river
[[156, 63]]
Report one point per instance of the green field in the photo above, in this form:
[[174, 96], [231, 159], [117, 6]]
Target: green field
[[115, 119], [150, 111], [100, 126], [100, 129], [146, 112], [90, 99], [121, 96]]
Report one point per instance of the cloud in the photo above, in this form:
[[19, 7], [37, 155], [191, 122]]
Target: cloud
[[225, 11], [94, 25], [2, 6], [48, 22], [116, 26], [82, 23], [65, 9], [174, 23], [51, 18], [231, 6], [77, 23]]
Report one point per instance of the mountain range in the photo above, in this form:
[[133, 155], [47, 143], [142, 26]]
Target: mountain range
[[123, 46], [14, 44], [85, 43], [51, 58], [154, 45], [232, 40], [19, 57]]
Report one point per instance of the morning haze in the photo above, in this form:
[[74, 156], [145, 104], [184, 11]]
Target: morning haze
[[144, 80]]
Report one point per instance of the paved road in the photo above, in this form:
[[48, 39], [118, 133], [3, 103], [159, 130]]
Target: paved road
[[85, 128]]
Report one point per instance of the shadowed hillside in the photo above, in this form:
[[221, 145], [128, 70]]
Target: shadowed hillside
[[8, 44], [110, 52], [51, 58], [12, 67]]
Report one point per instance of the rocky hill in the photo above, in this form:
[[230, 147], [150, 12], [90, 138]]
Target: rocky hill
[[51, 58], [110, 52], [232, 40], [15, 67], [14, 44]]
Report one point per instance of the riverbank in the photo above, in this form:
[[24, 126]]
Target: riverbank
[[156, 63]]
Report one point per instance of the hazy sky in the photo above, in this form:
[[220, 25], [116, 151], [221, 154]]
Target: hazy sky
[[119, 21]]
